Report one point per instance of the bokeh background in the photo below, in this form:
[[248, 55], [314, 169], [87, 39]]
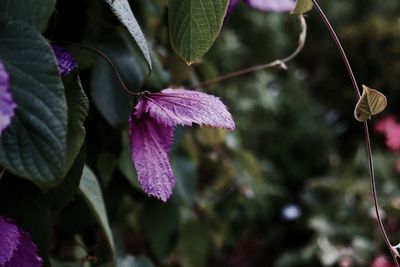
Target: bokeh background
[[288, 188]]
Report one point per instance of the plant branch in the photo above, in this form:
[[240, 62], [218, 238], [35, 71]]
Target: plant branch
[[3, 170], [277, 63], [392, 249]]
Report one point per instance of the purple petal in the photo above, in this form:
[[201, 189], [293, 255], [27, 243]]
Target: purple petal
[[26, 254], [65, 60], [174, 107], [272, 5], [9, 237], [7, 104], [16, 247], [232, 5], [150, 143]]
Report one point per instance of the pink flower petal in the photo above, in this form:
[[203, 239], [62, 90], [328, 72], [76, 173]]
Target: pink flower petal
[[174, 107], [150, 143], [385, 123], [7, 104], [272, 5], [391, 129], [382, 261]]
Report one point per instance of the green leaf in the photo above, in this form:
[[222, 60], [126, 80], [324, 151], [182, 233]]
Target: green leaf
[[125, 164], [193, 244], [123, 12], [371, 103], [34, 12], [90, 189], [131, 261], [160, 222], [78, 107], [106, 164], [108, 96], [186, 179], [194, 25], [61, 195], [34, 146], [302, 6]]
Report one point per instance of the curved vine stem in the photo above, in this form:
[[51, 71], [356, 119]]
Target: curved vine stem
[[393, 249], [277, 63], [105, 57]]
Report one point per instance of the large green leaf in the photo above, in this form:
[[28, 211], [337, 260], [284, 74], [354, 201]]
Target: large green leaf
[[90, 189], [186, 179], [124, 13], [34, 12], [78, 107], [34, 146], [160, 222], [108, 96], [193, 244], [194, 25], [131, 261], [58, 197]]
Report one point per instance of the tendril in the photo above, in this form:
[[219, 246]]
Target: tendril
[[393, 249]]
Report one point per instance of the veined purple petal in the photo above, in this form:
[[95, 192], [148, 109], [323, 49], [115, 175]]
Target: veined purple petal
[[16, 247], [65, 60], [150, 143], [26, 253], [174, 107], [272, 5], [7, 104], [9, 238]]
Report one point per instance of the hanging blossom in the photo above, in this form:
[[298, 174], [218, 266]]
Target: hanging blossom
[[16, 247], [278, 6], [7, 104], [152, 128], [389, 127], [65, 60]]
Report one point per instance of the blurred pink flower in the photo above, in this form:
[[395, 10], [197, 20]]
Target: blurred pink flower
[[382, 261], [391, 129]]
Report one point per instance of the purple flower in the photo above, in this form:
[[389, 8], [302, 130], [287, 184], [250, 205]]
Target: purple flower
[[232, 5], [16, 247], [151, 132], [65, 60], [272, 5], [7, 104]]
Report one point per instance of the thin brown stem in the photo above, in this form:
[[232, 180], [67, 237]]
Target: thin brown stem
[[3, 170], [276, 63], [104, 56], [392, 249]]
